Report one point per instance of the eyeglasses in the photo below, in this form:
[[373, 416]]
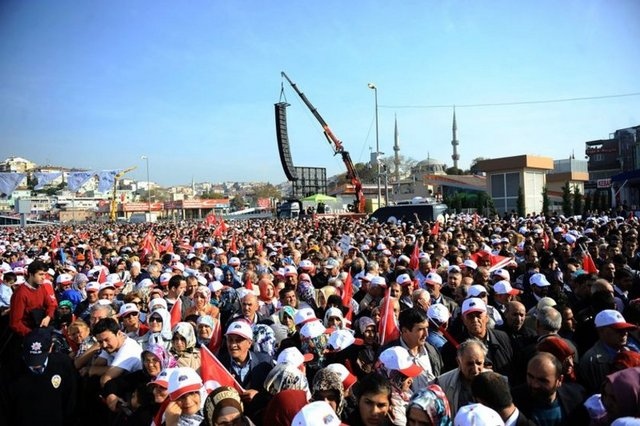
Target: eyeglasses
[[137, 302], [155, 319], [131, 314]]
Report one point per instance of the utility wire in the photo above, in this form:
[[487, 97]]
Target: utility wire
[[547, 101]]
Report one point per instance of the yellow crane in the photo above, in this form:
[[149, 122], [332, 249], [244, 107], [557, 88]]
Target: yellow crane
[[113, 208]]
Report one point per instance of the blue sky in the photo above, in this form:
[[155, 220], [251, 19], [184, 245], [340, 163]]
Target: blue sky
[[192, 84]]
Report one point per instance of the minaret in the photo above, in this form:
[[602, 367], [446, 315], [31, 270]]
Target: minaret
[[396, 148], [455, 157]]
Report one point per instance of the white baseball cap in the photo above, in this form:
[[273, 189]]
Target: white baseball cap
[[348, 379], [539, 280], [316, 413], [179, 266], [433, 278], [398, 358], [454, 269], [115, 280], [293, 356], [164, 278], [183, 380], [304, 315], [215, 286], [473, 304], [476, 290], [240, 328], [312, 329], [439, 312], [290, 270], [504, 287], [502, 273], [470, 264], [378, 281], [612, 318], [477, 415], [403, 279], [340, 340], [92, 286], [64, 279], [128, 308]]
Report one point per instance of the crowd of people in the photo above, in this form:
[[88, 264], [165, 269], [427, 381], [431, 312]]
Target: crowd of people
[[323, 321]]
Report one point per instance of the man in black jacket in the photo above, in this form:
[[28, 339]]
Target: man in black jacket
[[492, 389], [545, 399], [249, 368], [475, 320], [46, 391]]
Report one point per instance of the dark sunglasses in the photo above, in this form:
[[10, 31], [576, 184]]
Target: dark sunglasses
[[155, 319], [130, 314]]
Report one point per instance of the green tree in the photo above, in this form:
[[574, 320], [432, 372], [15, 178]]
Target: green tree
[[210, 195], [577, 201], [566, 200], [484, 203], [454, 171], [267, 191], [588, 202], [545, 201], [237, 202], [520, 203]]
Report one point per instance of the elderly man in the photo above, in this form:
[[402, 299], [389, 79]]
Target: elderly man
[[475, 321], [249, 307], [249, 368], [434, 287], [456, 383], [613, 332], [519, 335], [545, 399]]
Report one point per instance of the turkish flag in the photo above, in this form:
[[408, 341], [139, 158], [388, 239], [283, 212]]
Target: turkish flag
[[216, 337], [588, 265], [176, 312], [435, 229], [388, 329], [415, 257], [347, 295], [211, 369], [102, 276]]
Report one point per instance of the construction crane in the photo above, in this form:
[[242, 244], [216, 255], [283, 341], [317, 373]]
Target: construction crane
[[113, 207], [336, 144]]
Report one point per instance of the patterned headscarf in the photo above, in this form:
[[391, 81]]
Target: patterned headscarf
[[264, 339], [327, 380], [315, 346], [186, 330], [284, 377], [166, 359], [434, 403], [306, 293]]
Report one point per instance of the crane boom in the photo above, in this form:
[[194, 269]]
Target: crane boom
[[337, 146]]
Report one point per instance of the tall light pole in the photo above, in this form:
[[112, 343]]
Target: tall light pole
[[146, 158], [375, 91]]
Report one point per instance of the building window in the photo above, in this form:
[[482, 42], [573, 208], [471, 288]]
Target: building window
[[504, 191]]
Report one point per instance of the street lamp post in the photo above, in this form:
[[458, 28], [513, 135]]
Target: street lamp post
[[146, 158], [375, 91]]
